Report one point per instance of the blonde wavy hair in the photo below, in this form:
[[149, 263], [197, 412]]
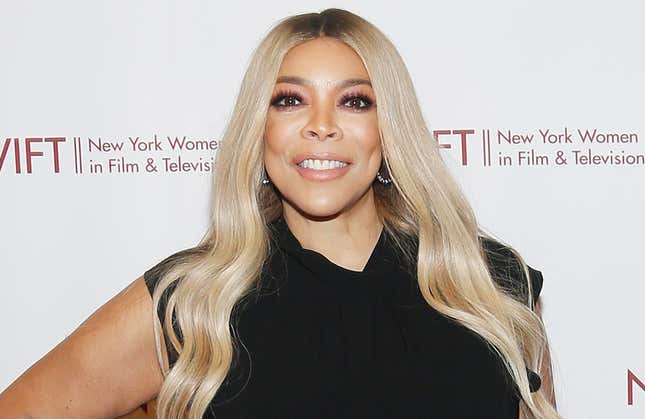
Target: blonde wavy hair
[[209, 279]]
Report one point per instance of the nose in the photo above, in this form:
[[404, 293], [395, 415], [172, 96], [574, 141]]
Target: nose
[[321, 125]]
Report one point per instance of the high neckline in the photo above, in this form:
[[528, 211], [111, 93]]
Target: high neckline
[[319, 264]]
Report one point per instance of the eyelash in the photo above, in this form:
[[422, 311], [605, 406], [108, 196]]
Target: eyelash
[[344, 99]]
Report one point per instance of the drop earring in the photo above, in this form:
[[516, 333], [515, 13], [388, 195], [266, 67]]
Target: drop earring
[[265, 177], [385, 180]]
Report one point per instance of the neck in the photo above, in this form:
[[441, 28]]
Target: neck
[[346, 238]]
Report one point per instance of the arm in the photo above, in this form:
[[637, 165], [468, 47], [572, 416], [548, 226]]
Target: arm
[[546, 374], [106, 368]]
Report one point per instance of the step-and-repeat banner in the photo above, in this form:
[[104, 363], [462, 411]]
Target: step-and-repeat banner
[[111, 112]]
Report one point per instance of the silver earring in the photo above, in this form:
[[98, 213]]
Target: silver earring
[[265, 178], [384, 180]]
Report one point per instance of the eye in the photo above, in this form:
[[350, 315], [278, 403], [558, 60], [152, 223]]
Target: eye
[[286, 100], [291, 99], [357, 101]]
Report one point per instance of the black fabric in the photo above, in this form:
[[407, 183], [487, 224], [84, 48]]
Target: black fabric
[[321, 341], [507, 271]]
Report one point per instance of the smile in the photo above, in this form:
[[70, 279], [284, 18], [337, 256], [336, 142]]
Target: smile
[[315, 164], [322, 170]]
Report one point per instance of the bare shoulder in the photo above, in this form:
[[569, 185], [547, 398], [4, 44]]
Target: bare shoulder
[[107, 367]]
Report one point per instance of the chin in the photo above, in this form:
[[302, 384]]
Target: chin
[[319, 207]]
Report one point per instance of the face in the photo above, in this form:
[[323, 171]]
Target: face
[[321, 138]]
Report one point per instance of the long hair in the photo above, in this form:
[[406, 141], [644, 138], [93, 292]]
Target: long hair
[[424, 201]]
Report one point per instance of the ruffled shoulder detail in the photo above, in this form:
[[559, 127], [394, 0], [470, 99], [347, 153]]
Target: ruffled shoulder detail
[[508, 273]]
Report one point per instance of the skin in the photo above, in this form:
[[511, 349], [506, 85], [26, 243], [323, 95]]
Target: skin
[[108, 367], [336, 217]]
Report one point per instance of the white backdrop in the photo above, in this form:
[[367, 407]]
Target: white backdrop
[[79, 78]]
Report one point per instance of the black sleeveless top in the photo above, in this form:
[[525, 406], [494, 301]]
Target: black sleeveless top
[[321, 341]]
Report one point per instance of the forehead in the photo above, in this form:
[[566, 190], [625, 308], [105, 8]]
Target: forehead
[[322, 61]]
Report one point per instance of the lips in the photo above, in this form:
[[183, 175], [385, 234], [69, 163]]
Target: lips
[[300, 157]]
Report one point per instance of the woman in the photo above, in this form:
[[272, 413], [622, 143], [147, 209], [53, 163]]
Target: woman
[[343, 273]]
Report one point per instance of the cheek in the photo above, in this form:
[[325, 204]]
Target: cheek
[[367, 139], [275, 139], [279, 133], [279, 138], [271, 134]]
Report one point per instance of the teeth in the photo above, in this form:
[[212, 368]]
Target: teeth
[[321, 164]]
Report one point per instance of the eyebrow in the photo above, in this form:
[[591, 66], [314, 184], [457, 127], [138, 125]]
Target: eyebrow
[[342, 84]]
